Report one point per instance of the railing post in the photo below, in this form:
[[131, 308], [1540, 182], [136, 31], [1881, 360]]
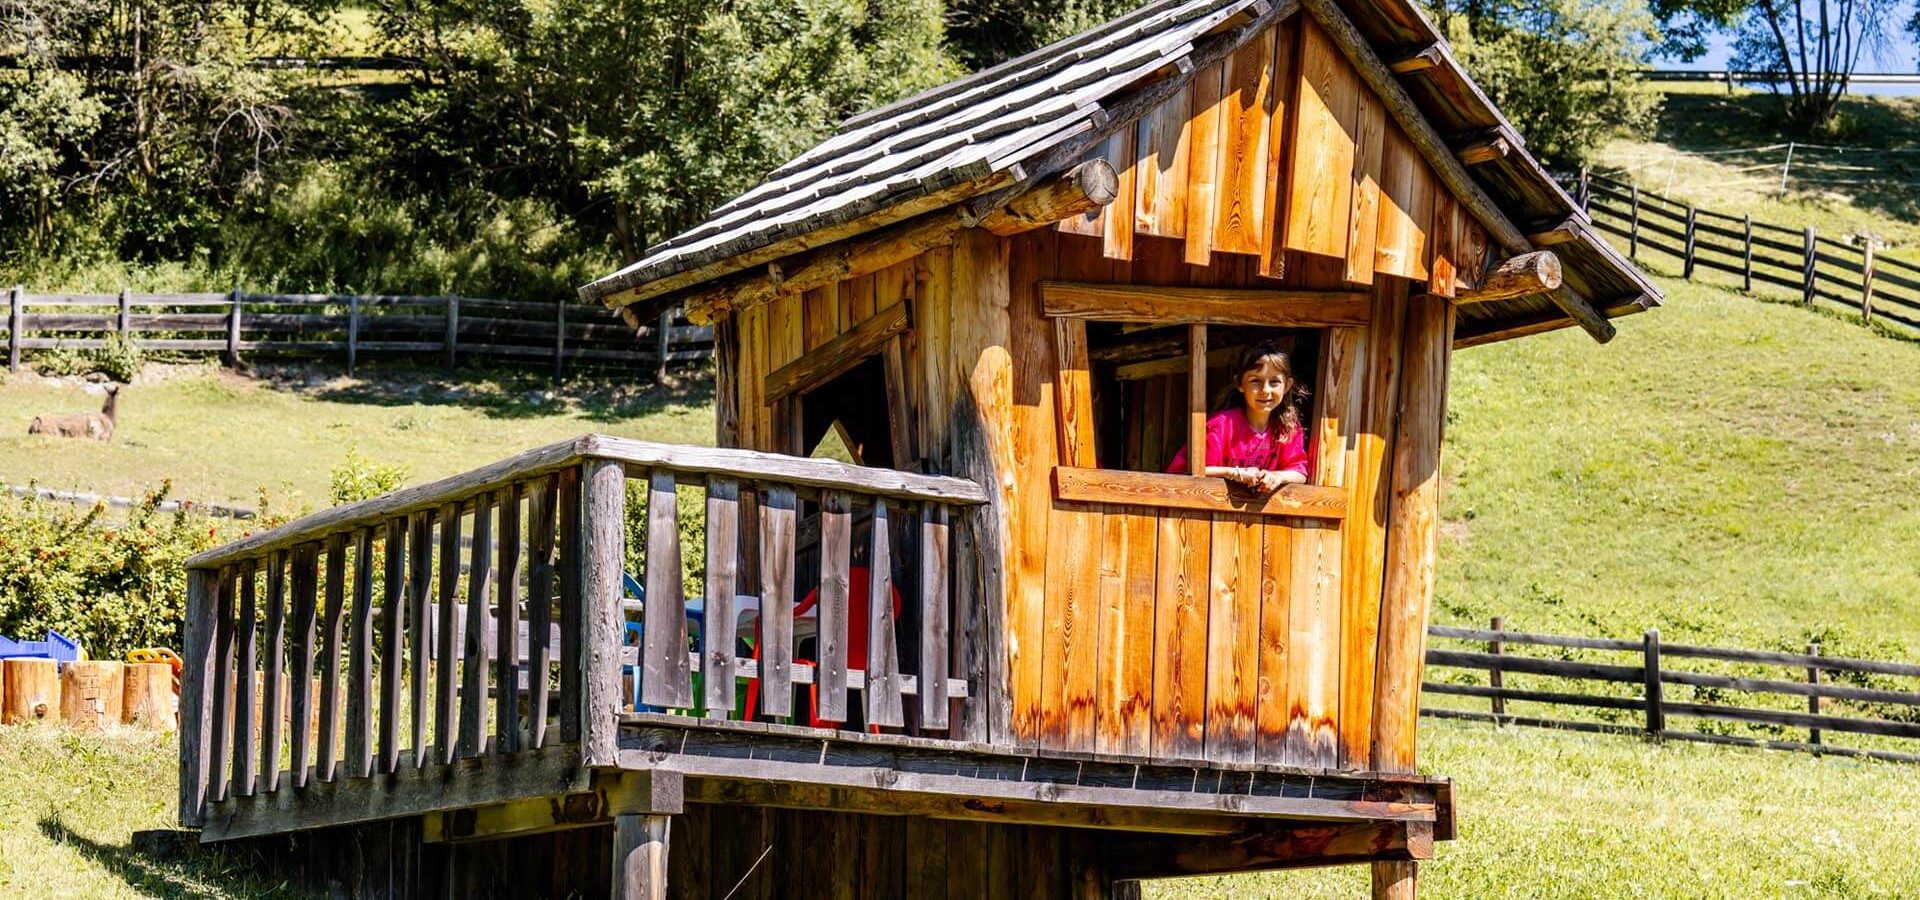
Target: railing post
[[559, 340], [453, 330], [1808, 276], [1656, 714], [1746, 257], [233, 330], [1633, 225], [661, 343], [1866, 280], [1813, 700], [1687, 270], [1496, 679], [353, 333], [603, 513], [196, 726], [13, 329]]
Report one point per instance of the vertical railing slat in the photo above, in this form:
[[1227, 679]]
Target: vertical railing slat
[[935, 630], [539, 608], [221, 717], [359, 724], [275, 665], [446, 669], [836, 559], [328, 750], [247, 700], [603, 547], [723, 538], [306, 584], [778, 520], [474, 663], [196, 680], [571, 608], [884, 706], [506, 714], [665, 679], [419, 584], [393, 625]]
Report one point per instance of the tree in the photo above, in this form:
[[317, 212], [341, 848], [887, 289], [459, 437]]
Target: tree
[[1811, 52], [983, 33], [1568, 72]]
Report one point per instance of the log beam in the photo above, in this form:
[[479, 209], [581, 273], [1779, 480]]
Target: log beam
[[1484, 149], [1077, 191], [1520, 276], [1289, 847], [1418, 61]]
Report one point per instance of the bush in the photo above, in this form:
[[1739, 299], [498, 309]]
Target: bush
[[359, 478], [119, 360], [114, 587]]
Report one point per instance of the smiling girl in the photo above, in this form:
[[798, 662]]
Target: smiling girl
[[1255, 438]]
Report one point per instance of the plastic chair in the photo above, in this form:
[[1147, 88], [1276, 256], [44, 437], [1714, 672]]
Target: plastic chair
[[858, 585]]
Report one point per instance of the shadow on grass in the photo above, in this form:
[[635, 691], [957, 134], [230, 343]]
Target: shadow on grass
[[190, 872], [604, 395], [1890, 184]]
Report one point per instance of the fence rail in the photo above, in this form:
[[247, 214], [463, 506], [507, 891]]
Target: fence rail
[[1882, 702], [453, 328], [1848, 274]]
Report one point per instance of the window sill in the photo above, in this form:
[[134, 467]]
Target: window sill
[[1309, 501]]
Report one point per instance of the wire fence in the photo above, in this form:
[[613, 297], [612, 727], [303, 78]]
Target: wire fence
[[1721, 695], [452, 329], [1778, 167], [1818, 270]]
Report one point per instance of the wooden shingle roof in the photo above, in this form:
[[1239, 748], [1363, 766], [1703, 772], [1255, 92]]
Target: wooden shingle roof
[[983, 135]]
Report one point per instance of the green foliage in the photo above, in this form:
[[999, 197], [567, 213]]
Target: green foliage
[[120, 359], [115, 587], [1812, 48], [983, 33], [359, 478], [62, 361], [1567, 72]]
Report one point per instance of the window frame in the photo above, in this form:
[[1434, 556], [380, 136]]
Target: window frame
[[1339, 315]]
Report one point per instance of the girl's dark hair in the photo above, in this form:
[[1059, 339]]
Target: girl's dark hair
[[1286, 419]]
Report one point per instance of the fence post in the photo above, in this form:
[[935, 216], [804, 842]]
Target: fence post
[[1746, 257], [1807, 277], [13, 329], [1585, 196], [559, 340], [1656, 714], [1633, 226], [121, 321], [1813, 700], [1866, 280], [353, 332], [1785, 169], [1495, 677], [233, 330], [1687, 272], [661, 343], [453, 329]]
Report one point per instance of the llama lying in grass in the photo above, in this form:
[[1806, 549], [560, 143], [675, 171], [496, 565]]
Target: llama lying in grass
[[98, 426]]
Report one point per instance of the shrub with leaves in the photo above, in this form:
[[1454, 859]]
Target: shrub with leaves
[[119, 360], [113, 586], [359, 478]]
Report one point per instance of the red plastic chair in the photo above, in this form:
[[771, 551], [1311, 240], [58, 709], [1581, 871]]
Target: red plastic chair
[[858, 584]]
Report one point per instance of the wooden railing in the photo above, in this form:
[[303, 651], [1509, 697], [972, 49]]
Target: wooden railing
[[343, 645], [349, 326], [1634, 686]]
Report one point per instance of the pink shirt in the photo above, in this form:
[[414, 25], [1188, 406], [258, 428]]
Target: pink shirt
[[1231, 441]]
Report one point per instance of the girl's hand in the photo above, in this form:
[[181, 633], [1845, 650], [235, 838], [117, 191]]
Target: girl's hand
[[1270, 481]]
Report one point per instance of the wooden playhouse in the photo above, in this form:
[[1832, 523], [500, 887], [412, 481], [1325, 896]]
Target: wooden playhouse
[[1003, 654]]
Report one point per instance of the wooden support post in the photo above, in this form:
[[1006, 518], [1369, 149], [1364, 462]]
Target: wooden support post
[[353, 333], [1197, 399], [452, 344], [124, 318], [1809, 277], [661, 347], [559, 341], [640, 857], [233, 330], [1687, 266], [1813, 700], [1746, 255], [1656, 713], [1866, 279], [13, 329], [196, 685], [1495, 677], [1633, 224], [602, 559], [1397, 880]]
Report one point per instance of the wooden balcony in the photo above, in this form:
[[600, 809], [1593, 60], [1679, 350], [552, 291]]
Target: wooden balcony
[[573, 635]]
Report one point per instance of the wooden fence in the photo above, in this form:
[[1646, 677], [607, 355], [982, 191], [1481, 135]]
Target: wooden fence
[[452, 329], [1815, 268], [1637, 687]]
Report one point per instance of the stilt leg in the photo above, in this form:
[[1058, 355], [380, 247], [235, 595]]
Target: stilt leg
[[1395, 880], [1126, 890], [640, 857]]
